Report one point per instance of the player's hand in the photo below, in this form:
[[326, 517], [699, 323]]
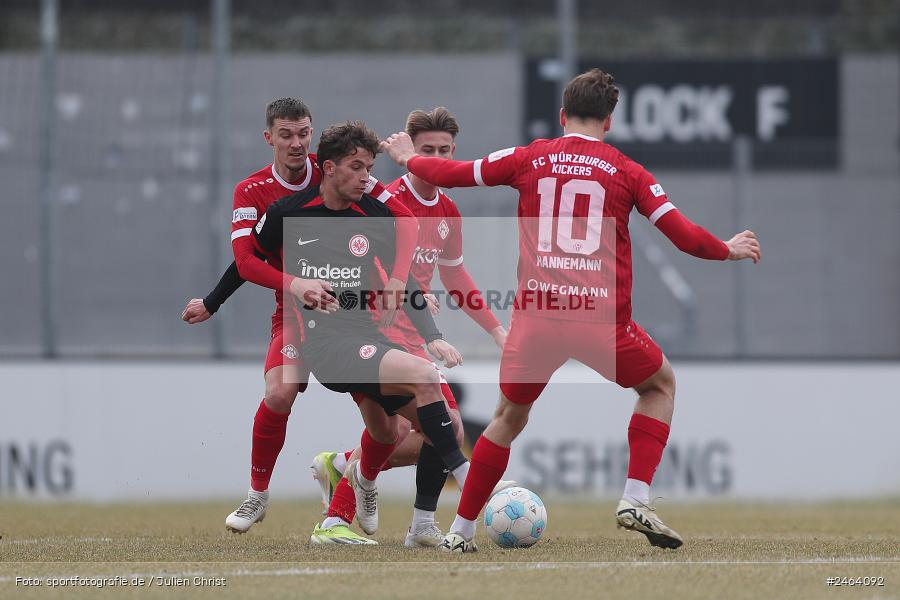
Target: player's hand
[[391, 300], [744, 245], [195, 312], [434, 305], [314, 294], [399, 147], [444, 351], [499, 334]]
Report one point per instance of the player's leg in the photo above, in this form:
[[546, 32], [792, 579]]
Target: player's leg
[[337, 495], [401, 373], [431, 476], [638, 363], [285, 378], [648, 430], [533, 352], [648, 433], [490, 457], [269, 431], [335, 529], [328, 467], [376, 444]]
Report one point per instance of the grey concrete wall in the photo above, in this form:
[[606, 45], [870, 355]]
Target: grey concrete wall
[[132, 185]]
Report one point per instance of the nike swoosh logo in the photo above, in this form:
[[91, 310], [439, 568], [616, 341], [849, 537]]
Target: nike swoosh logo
[[445, 424], [302, 243]]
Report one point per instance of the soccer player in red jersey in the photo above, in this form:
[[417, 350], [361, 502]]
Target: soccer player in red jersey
[[575, 193], [289, 132], [439, 246]]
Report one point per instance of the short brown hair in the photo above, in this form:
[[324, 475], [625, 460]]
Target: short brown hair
[[338, 141], [293, 109], [439, 119], [591, 95]]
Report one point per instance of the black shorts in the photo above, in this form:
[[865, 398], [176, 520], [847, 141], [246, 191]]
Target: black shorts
[[350, 364]]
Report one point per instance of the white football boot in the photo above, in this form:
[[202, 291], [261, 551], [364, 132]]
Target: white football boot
[[366, 500], [252, 510], [642, 518], [426, 535]]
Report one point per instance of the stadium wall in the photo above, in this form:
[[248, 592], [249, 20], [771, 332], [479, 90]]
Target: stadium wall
[[160, 431], [132, 176]]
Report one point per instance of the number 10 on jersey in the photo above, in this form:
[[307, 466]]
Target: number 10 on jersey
[[596, 195]]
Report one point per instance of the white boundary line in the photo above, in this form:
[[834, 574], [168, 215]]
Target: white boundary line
[[470, 567]]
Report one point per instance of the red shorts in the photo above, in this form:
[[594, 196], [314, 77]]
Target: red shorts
[[284, 350], [537, 347], [445, 387]]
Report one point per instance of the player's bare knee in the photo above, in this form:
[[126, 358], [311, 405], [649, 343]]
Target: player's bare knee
[[425, 383], [666, 380], [660, 385], [280, 396], [383, 431]]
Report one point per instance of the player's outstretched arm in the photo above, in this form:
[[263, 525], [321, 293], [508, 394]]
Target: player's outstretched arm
[[689, 237], [399, 146], [199, 310], [435, 170]]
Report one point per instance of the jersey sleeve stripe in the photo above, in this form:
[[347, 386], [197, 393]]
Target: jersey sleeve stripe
[[478, 178], [659, 212], [451, 262], [239, 233]]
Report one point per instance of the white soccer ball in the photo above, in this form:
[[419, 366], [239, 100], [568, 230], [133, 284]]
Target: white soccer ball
[[515, 518]]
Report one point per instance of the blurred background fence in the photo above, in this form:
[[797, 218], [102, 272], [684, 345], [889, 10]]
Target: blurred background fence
[[125, 125]]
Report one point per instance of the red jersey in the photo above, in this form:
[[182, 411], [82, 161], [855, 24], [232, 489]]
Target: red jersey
[[256, 193], [575, 197], [439, 244]]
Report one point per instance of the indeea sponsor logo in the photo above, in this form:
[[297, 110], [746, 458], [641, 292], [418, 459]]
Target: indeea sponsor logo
[[327, 271]]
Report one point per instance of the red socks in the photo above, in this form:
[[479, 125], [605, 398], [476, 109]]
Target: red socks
[[269, 429], [487, 466], [343, 502], [647, 439], [372, 455]]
